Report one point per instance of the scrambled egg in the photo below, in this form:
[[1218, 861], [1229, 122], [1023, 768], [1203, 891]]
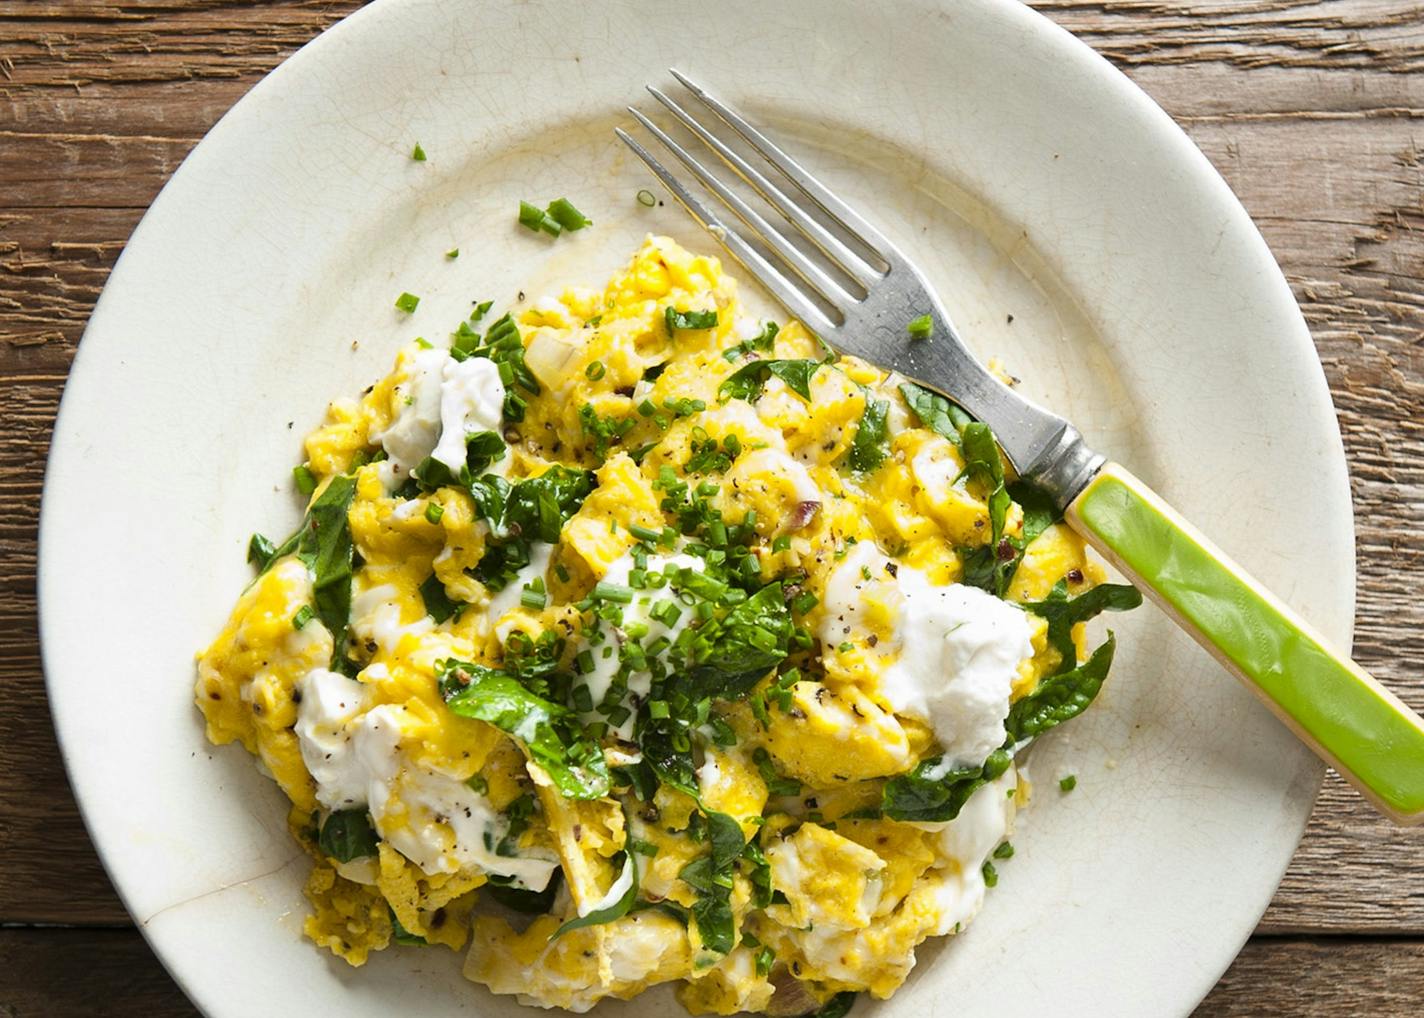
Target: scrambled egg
[[632, 641]]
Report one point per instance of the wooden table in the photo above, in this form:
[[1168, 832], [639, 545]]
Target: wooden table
[[1312, 112]]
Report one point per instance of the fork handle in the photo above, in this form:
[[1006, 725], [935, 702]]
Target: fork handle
[[1351, 721]]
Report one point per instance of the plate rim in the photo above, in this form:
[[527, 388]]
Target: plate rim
[[1074, 51]]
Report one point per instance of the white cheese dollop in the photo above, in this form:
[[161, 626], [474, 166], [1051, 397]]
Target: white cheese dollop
[[957, 649], [353, 752], [471, 400], [412, 435], [965, 843]]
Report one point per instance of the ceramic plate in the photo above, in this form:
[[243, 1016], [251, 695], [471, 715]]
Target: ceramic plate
[[1073, 230]]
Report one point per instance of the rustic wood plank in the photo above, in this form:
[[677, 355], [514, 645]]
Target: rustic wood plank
[[1314, 112], [1302, 977], [1321, 977]]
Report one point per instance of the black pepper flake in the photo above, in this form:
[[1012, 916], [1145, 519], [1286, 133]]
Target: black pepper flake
[[1075, 576], [1006, 550]]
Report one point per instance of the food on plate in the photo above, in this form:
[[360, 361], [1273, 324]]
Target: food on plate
[[629, 640]]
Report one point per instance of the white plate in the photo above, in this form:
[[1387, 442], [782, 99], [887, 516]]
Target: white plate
[[1027, 176]]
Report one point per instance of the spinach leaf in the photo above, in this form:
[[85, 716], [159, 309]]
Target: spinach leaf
[[748, 381], [712, 876], [934, 411], [676, 319], [731, 654], [437, 603], [988, 566], [260, 552], [933, 794], [1039, 512], [1063, 613], [712, 911], [983, 462], [760, 874], [871, 443], [482, 448], [550, 734], [347, 834], [537, 507], [534, 509], [490, 493], [762, 342], [716, 923], [673, 765], [1060, 697], [617, 910], [325, 548]]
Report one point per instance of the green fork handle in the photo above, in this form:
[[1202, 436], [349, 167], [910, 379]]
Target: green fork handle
[[1351, 721]]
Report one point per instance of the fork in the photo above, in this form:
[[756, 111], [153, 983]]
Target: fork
[[859, 294]]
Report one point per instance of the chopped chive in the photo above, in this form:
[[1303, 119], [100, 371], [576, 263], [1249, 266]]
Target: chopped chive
[[454, 252], [605, 591], [646, 198], [642, 847], [481, 310], [583, 698], [536, 219], [1004, 851], [991, 875], [1068, 784], [306, 480], [584, 663], [530, 215], [418, 153], [666, 612], [304, 615], [782, 542], [533, 599], [562, 572], [478, 783], [433, 512], [658, 709], [595, 371], [921, 328], [643, 533], [407, 302], [562, 211]]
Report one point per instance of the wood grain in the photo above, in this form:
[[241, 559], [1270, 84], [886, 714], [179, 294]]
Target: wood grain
[[1314, 113]]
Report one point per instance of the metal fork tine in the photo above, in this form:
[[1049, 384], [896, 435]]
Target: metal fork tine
[[770, 277], [853, 264], [812, 188], [826, 287]]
